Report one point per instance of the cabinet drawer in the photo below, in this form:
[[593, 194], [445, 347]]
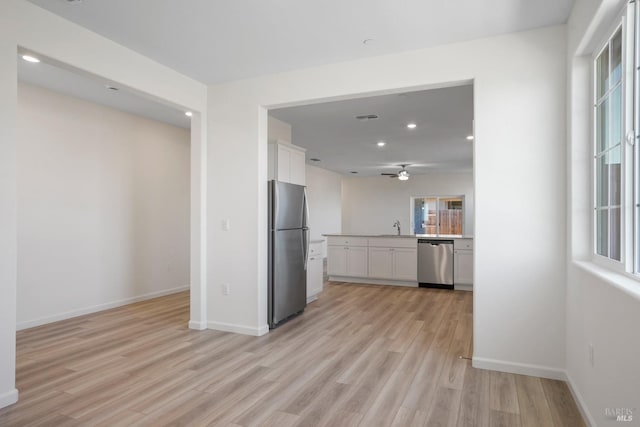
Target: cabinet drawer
[[391, 242], [463, 244], [315, 249], [346, 241]]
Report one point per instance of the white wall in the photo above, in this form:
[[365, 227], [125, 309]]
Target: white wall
[[372, 204], [103, 207], [602, 308], [324, 190], [279, 130], [519, 97], [24, 24]]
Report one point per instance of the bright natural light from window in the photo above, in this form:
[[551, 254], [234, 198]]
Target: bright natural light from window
[[608, 148], [438, 215]]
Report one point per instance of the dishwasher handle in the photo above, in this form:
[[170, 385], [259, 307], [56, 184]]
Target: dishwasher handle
[[435, 242]]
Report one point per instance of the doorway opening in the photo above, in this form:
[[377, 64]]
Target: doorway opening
[[103, 194]]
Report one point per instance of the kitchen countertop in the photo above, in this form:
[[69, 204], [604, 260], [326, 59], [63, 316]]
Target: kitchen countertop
[[316, 241], [403, 236]]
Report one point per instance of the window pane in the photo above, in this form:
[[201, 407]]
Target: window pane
[[450, 216], [615, 175], [430, 220], [615, 244], [602, 237], [602, 181], [616, 57], [615, 121], [602, 77], [419, 214], [602, 132]]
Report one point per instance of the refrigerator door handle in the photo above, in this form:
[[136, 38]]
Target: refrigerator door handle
[[305, 214], [276, 202], [306, 247]]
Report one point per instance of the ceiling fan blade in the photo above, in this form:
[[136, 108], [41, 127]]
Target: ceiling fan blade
[[389, 174]]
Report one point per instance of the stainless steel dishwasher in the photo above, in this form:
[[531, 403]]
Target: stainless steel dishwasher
[[435, 263]]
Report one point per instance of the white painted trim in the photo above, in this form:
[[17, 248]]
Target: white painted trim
[[100, 307], [312, 298], [197, 325], [582, 406], [366, 281], [8, 398], [238, 329], [519, 368], [467, 288]]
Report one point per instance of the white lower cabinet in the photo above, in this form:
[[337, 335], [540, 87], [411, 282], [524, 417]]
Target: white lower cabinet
[[393, 263], [380, 263], [346, 260], [463, 263], [405, 264], [315, 279]]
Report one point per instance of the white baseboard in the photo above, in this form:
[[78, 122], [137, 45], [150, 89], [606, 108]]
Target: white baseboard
[[519, 368], [100, 307], [312, 298], [8, 398], [582, 406], [467, 288], [366, 281], [197, 325], [239, 329]]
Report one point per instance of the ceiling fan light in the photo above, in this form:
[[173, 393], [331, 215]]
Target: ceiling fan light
[[403, 175]]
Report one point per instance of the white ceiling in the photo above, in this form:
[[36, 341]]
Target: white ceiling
[[91, 88], [220, 40], [331, 133]]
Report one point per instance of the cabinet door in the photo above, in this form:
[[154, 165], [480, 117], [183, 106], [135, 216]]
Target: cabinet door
[[405, 264], [357, 261], [314, 276], [380, 263], [463, 267], [297, 169], [336, 260], [284, 164]]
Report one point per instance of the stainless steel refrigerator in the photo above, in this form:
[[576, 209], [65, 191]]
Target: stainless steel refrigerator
[[288, 249]]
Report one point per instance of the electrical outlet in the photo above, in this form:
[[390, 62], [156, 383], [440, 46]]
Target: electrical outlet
[[591, 357], [226, 224], [226, 289]]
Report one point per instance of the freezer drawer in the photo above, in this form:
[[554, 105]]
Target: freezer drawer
[[435, 263]]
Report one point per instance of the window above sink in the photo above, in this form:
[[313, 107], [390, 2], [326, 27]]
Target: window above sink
[[437, 215]]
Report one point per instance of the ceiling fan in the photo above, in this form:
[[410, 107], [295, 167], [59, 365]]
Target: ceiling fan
[[402, 175]]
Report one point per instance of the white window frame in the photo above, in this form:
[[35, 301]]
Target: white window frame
[[626, 264], [412, 201]]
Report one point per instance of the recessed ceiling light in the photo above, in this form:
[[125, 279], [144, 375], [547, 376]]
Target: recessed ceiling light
[[381, 143], [470, 138], [354, 172], [412, 125], [188, 114], [314, 160], [30, 58]]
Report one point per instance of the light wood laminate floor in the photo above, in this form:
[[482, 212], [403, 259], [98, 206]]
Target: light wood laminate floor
[[359, 356]]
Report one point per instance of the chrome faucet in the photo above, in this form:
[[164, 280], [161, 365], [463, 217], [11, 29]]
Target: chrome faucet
[[397, 225]]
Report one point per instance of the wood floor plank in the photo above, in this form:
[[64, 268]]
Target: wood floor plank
[[474, 400], [534, 409], [503, 395], [563, 408], [361, 355]]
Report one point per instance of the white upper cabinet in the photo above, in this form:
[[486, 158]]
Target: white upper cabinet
[[286, 163]]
